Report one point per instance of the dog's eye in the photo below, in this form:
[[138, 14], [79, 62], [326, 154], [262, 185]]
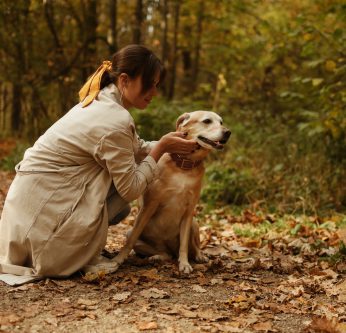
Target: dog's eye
[[207, 121]]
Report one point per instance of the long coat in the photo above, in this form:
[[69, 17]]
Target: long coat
[[55, 219]]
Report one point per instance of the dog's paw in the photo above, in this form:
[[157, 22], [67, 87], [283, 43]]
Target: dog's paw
[[159, 257], [107, 267], [185, 267], [201, 258]]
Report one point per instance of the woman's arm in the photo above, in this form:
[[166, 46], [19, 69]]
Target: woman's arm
[[115, 150]]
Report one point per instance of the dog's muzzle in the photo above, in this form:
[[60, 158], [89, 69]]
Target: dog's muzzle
[[216, 144], [225, 136]]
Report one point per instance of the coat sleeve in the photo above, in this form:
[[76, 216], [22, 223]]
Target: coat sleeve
[[116, 152], [144, 148]]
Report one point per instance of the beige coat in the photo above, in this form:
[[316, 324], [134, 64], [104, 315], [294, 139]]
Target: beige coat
[[55, 219]]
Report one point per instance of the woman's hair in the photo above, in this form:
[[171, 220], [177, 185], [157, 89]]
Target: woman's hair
[[134, 60]]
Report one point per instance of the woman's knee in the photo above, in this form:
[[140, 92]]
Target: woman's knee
[[120, 216]]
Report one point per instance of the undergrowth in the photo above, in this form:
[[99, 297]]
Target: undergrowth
[[269, 165]]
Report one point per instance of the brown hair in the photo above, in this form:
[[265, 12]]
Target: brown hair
[[134, 60]]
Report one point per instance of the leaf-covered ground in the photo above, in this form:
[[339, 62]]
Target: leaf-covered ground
[[266, 274]]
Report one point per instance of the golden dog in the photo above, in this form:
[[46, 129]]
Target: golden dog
[[164, 226]]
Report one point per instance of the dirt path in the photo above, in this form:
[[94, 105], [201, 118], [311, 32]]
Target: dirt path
[[273, 283]]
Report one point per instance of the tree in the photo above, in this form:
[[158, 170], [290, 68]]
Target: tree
[[197, 46], [176, 15], [137, 29], [90, 22], [113, 43]]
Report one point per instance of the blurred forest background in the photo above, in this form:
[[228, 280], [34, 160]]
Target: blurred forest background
[[274, 69]]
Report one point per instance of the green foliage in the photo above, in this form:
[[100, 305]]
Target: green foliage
[[338, 257], [275, 71], [160, 117], [9, 162], [253, 232], [227, 185]]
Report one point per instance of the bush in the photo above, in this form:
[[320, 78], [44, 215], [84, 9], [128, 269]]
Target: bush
[[228, 186], [9, 162], [160, 117]]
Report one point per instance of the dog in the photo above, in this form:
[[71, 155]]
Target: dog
[[164, 227]]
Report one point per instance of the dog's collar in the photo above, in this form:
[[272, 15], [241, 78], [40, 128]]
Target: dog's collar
[[184, 163]]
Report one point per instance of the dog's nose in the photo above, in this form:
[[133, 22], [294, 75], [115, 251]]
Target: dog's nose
[[226, 135]]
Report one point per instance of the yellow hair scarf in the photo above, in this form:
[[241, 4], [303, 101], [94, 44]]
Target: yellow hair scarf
[[91, 88]]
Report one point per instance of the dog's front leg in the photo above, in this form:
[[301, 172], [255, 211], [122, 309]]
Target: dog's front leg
[[185, 228], [143, 218]]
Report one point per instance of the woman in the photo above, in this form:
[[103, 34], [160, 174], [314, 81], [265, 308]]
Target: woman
[[81, 174]]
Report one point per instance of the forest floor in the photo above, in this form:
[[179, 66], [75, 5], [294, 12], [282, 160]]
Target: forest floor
[[266, 274]]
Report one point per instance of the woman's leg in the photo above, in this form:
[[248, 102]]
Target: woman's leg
[[118, 209]]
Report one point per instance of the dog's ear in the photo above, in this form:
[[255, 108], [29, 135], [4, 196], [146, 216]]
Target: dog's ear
[[182, 120]]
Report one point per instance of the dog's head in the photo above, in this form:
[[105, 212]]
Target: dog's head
[[205, 127]]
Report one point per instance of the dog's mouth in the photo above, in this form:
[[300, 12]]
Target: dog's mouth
[[213, 144]]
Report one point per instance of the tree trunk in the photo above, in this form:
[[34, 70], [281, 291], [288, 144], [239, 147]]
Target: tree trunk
[[164, 42], [165, 30], [197, 49], [16, 108], [3, 107], [113, 44], [175, 49], [137, 29], [90, 27]]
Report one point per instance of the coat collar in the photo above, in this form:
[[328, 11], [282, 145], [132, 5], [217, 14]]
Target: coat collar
[[113, 92]]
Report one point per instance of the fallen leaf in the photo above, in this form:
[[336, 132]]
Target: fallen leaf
[[341, 287], [330, 273], [8, 318], [323, 325], [216, 250], [187, 313], [239, 248], [87, 302], [264, 326], [147, 325], [120, 297], [216, 281], [151, 274], [52, 321], [154, 293], [92, 277], [197, 288]]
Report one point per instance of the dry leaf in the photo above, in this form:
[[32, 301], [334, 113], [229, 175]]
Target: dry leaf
[[154, 293], [323, 325], [216, 251], [216, 281], [264, 326], [92, 277], [120, 297], [151, 274], [341, 288], [8, 318], [52, 321], [147, 325], [197, 288], [87, 302], [187, 313]]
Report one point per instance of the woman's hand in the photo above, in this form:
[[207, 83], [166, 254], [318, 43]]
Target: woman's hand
[[173, 142]]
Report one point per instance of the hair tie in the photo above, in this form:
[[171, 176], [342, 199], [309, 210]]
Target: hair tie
[[91, 88]]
